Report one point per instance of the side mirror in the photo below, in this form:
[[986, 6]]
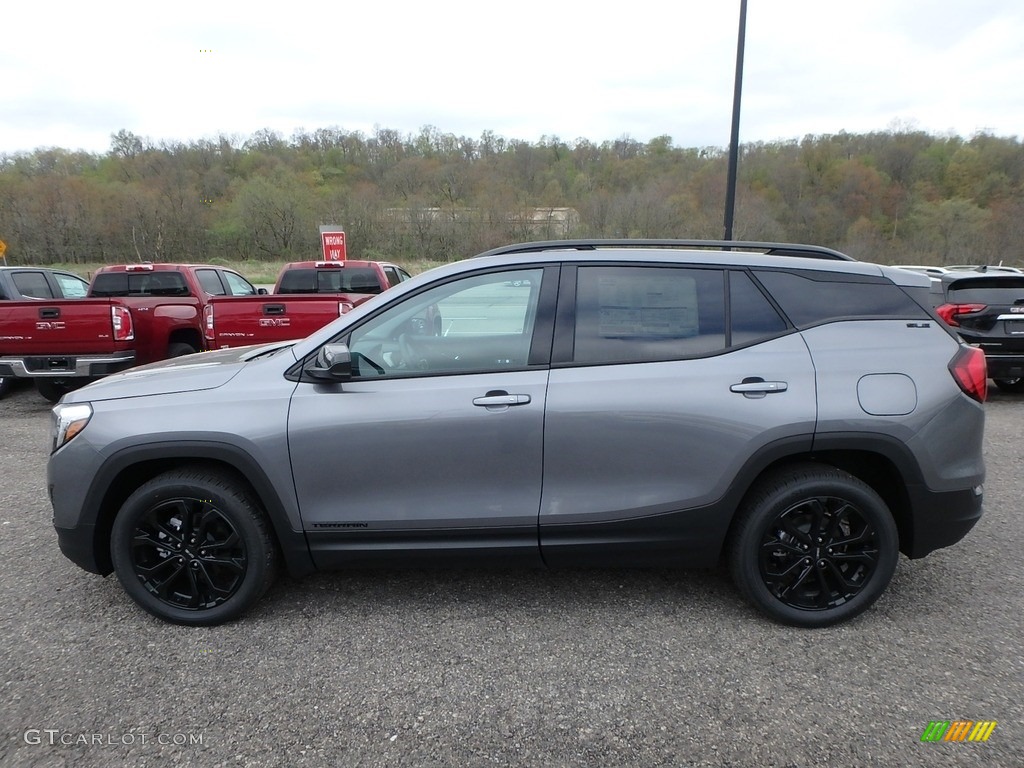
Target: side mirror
[[333, 363], [262, 291]]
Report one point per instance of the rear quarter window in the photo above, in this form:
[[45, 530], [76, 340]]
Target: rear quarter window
[[811, 298]]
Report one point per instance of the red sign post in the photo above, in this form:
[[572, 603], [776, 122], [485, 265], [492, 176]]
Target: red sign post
[[332, 241]]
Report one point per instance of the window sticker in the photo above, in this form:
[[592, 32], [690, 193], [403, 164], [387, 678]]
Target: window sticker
[[647, 306]]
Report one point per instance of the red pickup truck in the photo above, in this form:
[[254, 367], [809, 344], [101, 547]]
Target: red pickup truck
[[307, 296], [43, 283], [134, 314]]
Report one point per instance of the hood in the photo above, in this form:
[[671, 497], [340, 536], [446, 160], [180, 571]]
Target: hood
[[188, 373]]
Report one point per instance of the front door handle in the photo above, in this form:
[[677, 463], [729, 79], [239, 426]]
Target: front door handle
[[755, 387], [500, 400]]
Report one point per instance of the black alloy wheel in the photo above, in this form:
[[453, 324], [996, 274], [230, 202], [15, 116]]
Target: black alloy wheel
[[813, 546], [818, 554], [193, 546], [188, 554]]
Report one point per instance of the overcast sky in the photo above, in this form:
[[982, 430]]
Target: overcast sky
[[73, 73]]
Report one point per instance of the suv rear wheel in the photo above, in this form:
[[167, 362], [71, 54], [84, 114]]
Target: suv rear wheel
[[813, 546], [192, 546]]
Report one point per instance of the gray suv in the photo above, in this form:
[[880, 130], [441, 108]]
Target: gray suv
[[574, 403]]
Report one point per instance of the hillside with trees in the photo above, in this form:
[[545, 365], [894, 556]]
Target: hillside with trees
[[895, 196]]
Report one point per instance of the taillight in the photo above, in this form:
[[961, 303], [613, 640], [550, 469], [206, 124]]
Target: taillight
[[971, 372], [208, 322], [122, 322], [345, 306], [951, 313]]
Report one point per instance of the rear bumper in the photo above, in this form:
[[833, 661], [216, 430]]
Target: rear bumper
[[1004, 366], [65, 366], [942, 517]]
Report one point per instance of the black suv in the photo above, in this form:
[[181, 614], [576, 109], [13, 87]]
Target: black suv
[[987, 309]]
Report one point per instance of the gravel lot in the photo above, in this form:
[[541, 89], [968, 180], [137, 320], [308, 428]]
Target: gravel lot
[[475, 668]]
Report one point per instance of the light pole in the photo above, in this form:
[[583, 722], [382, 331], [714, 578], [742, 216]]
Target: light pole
[[734, 143]]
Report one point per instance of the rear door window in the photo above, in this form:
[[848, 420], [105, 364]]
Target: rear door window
[[753, 318], [210, 282], [630, 314], [33, 285]]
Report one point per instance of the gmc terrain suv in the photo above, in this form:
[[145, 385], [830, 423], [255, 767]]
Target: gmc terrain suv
[[580, 403], [986, 308]]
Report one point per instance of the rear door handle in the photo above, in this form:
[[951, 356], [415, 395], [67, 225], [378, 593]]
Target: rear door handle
[[500, 400], [756, 387]]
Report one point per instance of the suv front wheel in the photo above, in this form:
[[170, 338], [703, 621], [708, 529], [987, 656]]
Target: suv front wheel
[[192, 546], [813, 546]]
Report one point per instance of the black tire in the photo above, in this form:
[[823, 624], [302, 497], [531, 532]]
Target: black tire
[[1013, 386], [178, 349], [813, 546], [193, 546], [54, 389], [6, 385]]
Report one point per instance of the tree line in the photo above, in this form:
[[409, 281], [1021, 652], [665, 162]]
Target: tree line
[[894, 196]]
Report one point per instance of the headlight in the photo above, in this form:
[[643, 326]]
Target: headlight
[[68, 421]]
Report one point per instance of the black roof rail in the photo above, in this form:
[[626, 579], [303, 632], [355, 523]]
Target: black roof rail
[[769, 249]]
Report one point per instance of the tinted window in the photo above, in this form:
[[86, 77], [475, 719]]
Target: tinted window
[[331, 280], [139, 284], [33, 285], [632, 314], [349, 280], [809, 299], [987, 290], [298, 281], [475, 324], [210, 281], [753, 317]]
